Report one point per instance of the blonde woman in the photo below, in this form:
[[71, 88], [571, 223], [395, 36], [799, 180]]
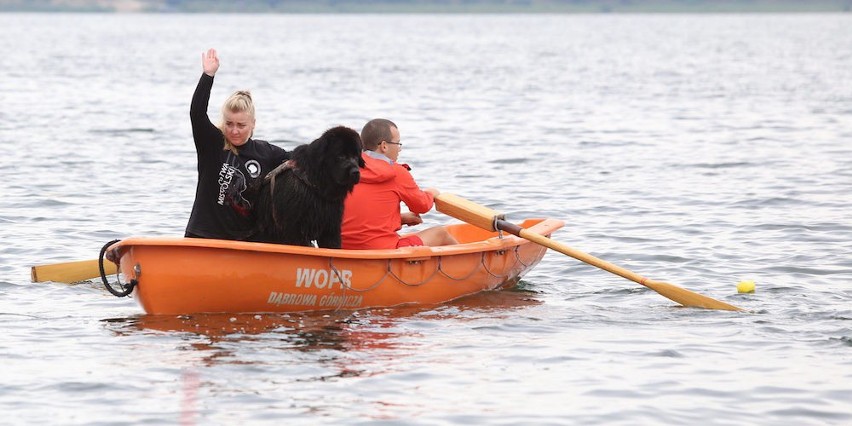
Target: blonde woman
[[229, 160]]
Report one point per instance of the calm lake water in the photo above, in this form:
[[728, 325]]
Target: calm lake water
[[699, 150]]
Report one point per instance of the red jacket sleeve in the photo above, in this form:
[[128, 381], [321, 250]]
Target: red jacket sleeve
[[415, 199]]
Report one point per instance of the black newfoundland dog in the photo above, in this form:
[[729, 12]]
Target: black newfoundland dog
[[302, 200]]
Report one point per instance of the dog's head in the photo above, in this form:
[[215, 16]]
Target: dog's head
[[333, 161]]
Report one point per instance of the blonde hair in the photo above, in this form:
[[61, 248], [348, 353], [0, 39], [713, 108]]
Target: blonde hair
[[239, 101]]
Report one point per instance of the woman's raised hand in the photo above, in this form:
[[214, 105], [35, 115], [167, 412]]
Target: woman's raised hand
[[210, 62]]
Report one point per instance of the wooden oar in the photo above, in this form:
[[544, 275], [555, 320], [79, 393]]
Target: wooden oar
[[70, 272], [483, 217]]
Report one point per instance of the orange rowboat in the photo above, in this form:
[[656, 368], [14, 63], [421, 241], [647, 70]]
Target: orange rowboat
[[189, 275]]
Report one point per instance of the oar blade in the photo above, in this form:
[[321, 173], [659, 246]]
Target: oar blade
[[70, 272], [688, 298]]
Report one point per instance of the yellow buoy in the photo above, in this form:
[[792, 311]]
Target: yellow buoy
[[745, 286]]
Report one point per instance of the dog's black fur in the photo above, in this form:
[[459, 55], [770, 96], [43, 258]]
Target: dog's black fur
[[302, 200]]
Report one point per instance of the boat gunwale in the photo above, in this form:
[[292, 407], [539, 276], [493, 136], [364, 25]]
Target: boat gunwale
[[545, 226]]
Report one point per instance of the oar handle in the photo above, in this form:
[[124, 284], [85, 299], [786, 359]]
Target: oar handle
[[467, 211]]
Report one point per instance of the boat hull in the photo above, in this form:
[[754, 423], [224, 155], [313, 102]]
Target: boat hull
[[189, 275]]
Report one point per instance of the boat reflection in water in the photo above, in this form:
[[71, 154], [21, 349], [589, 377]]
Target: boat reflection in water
[[386, 333], [294, 349], [381, 328]]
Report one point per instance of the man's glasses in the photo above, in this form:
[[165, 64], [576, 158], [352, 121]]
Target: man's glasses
[[395, 143]]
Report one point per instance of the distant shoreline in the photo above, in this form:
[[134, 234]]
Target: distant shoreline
[[428, 6]]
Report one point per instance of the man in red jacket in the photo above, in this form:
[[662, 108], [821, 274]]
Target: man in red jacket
[[371, 213]]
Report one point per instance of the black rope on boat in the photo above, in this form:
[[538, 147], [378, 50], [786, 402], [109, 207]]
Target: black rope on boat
[[473, 271], [126, 290], [349, 286], [518, 257], [415, 284], [482, 264], [500, 252]]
